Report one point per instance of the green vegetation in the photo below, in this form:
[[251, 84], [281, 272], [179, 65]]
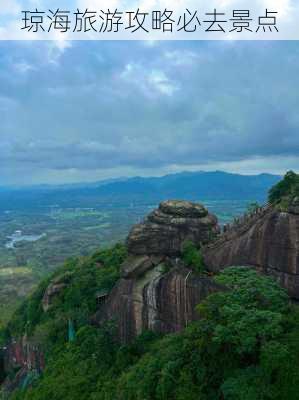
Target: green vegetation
[[192, 257], [285, 191], [15, 284], [70, 232], [252, 207], [83, 277], [245, 347]]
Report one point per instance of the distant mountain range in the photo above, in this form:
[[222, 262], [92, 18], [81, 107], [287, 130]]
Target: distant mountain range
[[198, 186]]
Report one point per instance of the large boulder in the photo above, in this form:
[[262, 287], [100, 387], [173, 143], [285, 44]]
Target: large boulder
[[166, 228]]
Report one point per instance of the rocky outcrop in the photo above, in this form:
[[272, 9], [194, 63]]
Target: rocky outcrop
[[165, 229], [135, 266], [25, 357], [157, 291], [269, 241], [23, 352], [54, 289], [294, 206], [160, 301]]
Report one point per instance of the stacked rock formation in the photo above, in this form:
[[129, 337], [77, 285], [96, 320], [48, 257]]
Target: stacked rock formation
[[157, 291], [165, 229]]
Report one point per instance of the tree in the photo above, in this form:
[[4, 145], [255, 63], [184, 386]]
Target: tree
[[288, 186], [192, 256]]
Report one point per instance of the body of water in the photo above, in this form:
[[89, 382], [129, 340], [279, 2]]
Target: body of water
[[18, 236]]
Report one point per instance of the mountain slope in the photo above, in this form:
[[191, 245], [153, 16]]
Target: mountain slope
[[244, 347]]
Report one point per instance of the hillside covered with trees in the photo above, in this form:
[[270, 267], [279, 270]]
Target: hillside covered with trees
[[245, 346]]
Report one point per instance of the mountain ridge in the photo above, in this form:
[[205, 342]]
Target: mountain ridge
[[108, 181], [187, 185]]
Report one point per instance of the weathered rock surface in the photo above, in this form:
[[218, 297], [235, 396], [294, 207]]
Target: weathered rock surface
[[23, 356], [270, 243], [157, 291], [159, 301], [294, 206], [135, 266], [165, 229]]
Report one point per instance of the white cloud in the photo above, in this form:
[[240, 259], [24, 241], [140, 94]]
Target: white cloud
[[23, 67], [152, 82], [56, 49], [159, 81], [7, 104], [9, 7], [94, 5], [182, 58]]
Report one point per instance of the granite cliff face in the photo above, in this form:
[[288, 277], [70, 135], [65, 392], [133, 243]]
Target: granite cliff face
[[157, 291], [158, 301], [268, 241]]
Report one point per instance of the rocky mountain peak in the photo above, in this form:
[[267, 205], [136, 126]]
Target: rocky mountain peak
[[183, 209], [165, 229]]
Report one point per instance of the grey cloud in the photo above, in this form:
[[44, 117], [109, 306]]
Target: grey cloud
[[126, 105]]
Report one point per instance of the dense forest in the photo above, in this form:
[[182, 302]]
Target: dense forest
[[246, 345]]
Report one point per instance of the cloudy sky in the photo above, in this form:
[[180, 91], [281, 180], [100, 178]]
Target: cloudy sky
[[83, 111]]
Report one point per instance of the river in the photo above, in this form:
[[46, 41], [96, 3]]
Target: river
[[18, 236]]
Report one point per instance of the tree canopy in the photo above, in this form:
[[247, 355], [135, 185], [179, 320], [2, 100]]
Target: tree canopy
[[286, 189], [245, 346]]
